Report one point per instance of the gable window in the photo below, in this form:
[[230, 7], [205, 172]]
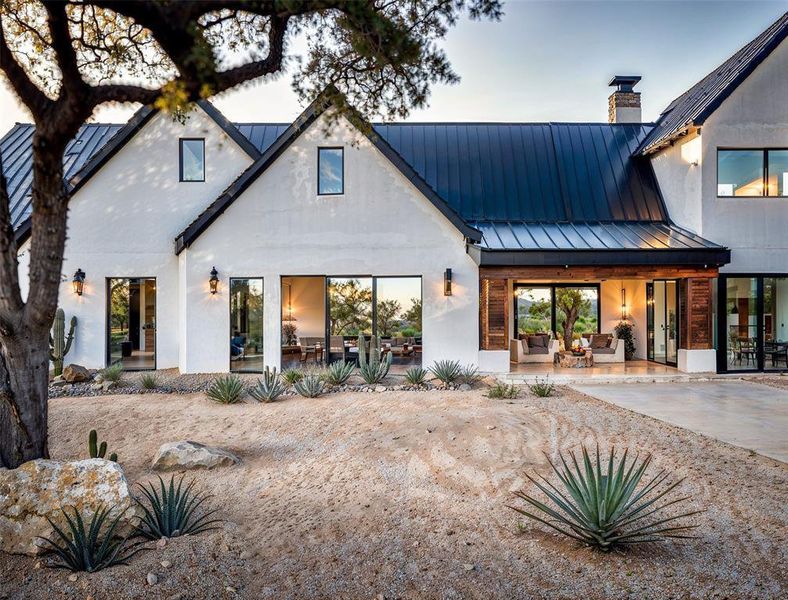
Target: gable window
[[753, 173], [192, 159], [330, 171]]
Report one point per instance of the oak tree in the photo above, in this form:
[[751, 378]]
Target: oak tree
[[63, 59]]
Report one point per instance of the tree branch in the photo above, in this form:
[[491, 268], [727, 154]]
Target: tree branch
[[64, 48], [35, 100]]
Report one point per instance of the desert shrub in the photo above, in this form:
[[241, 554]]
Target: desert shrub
[[338, 372], [373, 369], [625, 332], [112, 373], [310, 385], [502, 390], [170, 510], [226, 389], [609, 509], [416, 375], [269, 387], [541, 387], [149, 381], [447, 371], [91, 549], [470, 374], [291, 376]]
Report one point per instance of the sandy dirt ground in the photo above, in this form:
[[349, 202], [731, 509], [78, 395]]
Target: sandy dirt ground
[[403, 495]]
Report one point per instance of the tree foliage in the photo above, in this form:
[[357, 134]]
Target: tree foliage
[[387, 312], [63, 59], [350, 307]]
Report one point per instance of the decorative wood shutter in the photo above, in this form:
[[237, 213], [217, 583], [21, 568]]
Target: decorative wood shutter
[[695, 307], [494, 313]]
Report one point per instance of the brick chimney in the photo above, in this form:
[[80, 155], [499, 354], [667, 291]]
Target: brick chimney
[[623, 106]]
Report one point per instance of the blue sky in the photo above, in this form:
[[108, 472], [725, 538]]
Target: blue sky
[[547, 61]]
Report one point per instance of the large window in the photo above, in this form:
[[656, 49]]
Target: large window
[[330, 171], [246, 325], [752, 173], [192, 159], [562, 309]]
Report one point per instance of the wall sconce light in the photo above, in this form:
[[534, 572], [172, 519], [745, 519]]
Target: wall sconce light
[[214, 280], [447, 283], [623, 304], [78, 282]]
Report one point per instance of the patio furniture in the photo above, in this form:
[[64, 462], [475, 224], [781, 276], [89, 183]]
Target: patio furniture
[[311, 346], [536, 348], [747, 351], [777, 352], [567, 360], [607, 348]]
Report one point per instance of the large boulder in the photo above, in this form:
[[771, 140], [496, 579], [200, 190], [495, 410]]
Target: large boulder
[[40, 488], [183, 455], [75, 373]]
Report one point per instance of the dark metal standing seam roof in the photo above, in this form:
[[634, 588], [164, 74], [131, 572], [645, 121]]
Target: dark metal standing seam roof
[[694, 106], [528, 188], [551, 172], [16, 148]]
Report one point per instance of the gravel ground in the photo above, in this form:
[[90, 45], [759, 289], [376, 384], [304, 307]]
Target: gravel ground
[[778, 381], [402, 495]]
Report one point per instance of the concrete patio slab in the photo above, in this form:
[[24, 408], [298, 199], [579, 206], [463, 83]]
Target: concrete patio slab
[[745, 414]]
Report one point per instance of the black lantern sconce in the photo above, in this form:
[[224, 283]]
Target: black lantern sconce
[[214, 280], [78, 282], [447, 283]]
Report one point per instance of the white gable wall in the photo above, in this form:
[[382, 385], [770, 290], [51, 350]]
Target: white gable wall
[[123, 223], [755, 115], [279, 226]]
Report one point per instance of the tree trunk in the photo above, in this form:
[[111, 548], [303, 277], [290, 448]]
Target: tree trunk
[[24, 373], [24, 328]]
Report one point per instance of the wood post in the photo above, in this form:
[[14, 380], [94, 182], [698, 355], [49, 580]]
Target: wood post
[[695, 309]]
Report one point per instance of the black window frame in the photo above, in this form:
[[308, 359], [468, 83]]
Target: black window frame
[[553, 287], [319, 151], [180, 159], [764, 169]]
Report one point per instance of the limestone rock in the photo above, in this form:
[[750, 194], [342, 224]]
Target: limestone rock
[[75, 373], [40, 488], [176, 456]]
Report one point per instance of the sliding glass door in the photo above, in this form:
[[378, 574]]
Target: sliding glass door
[[753, 329]]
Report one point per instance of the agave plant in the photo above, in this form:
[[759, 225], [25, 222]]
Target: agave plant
[[269, 387], [447, 371], [173, 510], [375, 368], [542, 387], [310, 385], [470, 374], [291, 376], [338, 372], [226, 389], [89, 550], [604, 510], [416, 375]]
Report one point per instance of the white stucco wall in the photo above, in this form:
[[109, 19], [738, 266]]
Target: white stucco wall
[[610, 309], [123, 223], [279, 226], [678, 169], [755, 115]]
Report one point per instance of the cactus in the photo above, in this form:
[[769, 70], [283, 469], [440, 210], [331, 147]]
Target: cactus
[[59, 343], [97, 450], [372, 370]]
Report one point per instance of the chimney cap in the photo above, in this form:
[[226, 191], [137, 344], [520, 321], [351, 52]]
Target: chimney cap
[[624, 83]]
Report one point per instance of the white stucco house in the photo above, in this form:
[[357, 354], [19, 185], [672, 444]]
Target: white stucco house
[[210, 246]]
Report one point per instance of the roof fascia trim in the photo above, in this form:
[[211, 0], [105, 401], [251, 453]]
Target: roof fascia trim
[[666, 257], [230, 129]]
